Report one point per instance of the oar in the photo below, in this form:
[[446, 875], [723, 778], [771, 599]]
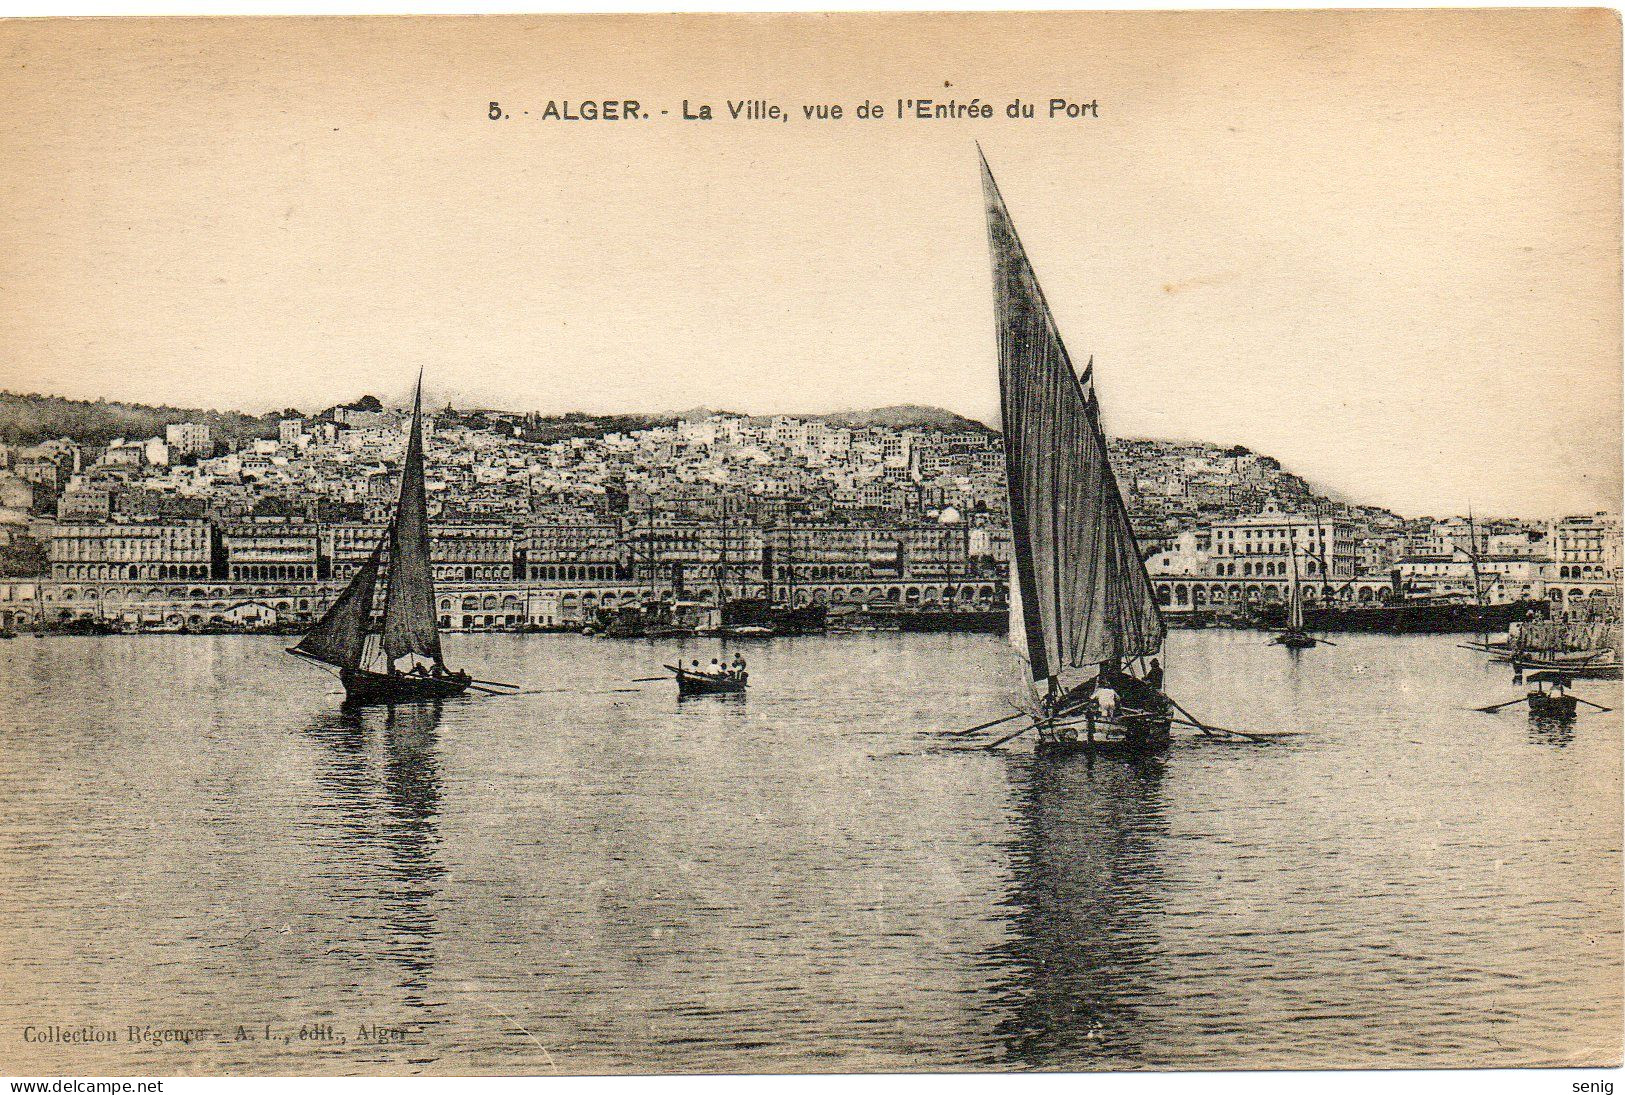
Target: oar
[[1196, 722], [1134, 711], [1598, 706], [1008, 737], [1328, 642], [499, 684], [1204, 727], [983, 725], [489, 691], [1494, 707], [1262, 739], [646, 680]]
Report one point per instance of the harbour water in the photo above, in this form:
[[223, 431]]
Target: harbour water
[[592, 877]]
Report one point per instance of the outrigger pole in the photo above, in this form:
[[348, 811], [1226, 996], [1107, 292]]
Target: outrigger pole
[[978, 726], [1010, 737]]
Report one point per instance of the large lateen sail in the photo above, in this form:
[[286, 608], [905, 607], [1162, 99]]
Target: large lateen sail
[[341, 634], [409, 619], [1083, 593]]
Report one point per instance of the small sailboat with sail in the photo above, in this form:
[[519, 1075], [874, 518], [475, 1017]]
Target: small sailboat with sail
[[1082, 603], [370, 663], [1294, 637]]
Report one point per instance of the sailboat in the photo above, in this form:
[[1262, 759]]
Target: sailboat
[[1294, 637], [1082, 603], [368, 661]]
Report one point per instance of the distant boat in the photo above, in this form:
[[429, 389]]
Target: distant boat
[[1600, 666], [692, 682], [1406, 616], [761, 617], [1582, 648], [1080, 597], [1552, 702], [988, 620], [1294, 637], [344, 638]]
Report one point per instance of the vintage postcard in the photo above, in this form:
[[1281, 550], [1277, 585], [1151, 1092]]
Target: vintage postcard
[[804, 543]]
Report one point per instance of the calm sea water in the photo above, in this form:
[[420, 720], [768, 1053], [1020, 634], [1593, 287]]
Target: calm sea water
[[593, 877]]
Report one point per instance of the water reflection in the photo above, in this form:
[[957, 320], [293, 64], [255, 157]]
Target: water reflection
[[612, 883], [1085, 900], [1555, 732], [381, 788]]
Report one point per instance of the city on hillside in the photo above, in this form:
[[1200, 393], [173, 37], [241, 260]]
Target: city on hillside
[[541, 523]]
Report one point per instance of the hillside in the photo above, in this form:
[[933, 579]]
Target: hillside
[[904, 416], [28, 419]]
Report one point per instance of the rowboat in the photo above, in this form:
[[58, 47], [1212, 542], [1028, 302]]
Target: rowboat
[[690, 683], [1553, 704]]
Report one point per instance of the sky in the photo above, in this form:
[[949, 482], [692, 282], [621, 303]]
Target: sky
[[1383, 247]]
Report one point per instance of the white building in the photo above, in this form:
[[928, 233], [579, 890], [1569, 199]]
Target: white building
[[189, 438], [1265, 545]]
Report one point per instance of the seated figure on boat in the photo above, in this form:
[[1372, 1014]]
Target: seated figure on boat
[[1118, 699], [434, 669], [1139, 696]]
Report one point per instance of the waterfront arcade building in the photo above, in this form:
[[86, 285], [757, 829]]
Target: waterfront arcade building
[[187, 573], [183, 575]]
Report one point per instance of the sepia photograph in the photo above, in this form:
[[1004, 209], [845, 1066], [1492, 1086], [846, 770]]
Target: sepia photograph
[[714, 544]]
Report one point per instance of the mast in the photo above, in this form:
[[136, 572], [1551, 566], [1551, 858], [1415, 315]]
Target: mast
[[722, 559], [1294, 612], [409, 614], [1081, 583], [1472, 557], [790, 570]]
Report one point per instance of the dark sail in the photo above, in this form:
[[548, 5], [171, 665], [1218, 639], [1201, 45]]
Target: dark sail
[[1082, 586], [409, 620], [339, 637]]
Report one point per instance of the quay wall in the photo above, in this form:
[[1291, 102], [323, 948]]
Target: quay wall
[[513, 604]]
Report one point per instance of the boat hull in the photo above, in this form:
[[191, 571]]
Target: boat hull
[[1131, 737], [1544, 705], [1592, 671], [1295, 640], [775, 618], [701, 684], [1407, 618], [977, 621], [1154, 743], [365, 688]]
